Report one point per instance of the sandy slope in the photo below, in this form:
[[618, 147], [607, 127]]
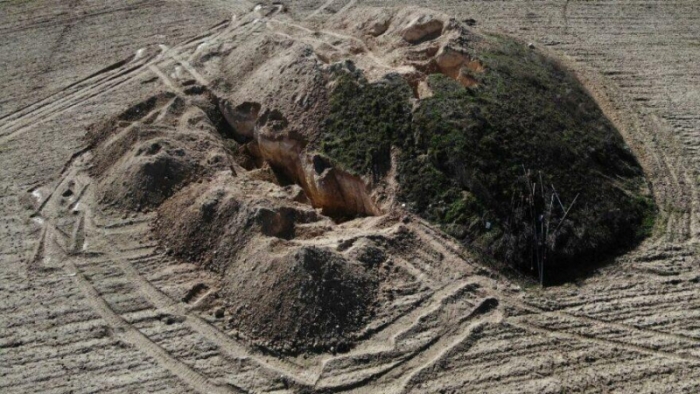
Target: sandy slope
[[113, 319]]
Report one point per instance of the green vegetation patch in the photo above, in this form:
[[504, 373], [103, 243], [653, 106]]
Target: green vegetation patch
[[365, 121], [523, 167]]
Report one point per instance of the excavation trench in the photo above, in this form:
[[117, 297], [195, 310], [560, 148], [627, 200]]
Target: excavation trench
[[338, 193]]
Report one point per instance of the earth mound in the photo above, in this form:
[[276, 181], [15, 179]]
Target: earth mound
[[311, 298], [493, 140], [214, 221], [146, 154], [148, 174], [254, 176], [285, 296]]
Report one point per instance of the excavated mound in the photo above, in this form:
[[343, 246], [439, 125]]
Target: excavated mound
[[310, 299], [139, 162], [180, 155], [287, 297], [297, 134]]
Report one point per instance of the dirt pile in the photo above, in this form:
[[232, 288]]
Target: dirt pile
[[144, 155], [310, 299], [255, 175], [283, 295], [212, 222]]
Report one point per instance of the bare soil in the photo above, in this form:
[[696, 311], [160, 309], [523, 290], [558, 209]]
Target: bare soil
[[93, 300]]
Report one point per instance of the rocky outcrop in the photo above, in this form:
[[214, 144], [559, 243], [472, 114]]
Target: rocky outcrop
[[458, 65], [423, 28]]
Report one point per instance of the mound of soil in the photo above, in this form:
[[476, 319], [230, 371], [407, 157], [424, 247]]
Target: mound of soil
[[288, 297], [499, 144], [144, 155], [148, 174], [311, 299], [211, 222]]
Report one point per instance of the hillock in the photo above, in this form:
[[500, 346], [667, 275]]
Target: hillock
[[523, 165]]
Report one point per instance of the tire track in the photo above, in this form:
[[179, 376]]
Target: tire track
[[35, 261], [386, 343], [227, 345], [612, 325], [166, 80], [107, 70], [515, 322], [121, 327], [55, 107], [50, 106], [482, 314], [121, 65], [125, 331], [187, 66], [320, 9], [345, 8]]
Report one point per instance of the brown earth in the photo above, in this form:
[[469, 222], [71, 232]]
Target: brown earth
[[92, 301]]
